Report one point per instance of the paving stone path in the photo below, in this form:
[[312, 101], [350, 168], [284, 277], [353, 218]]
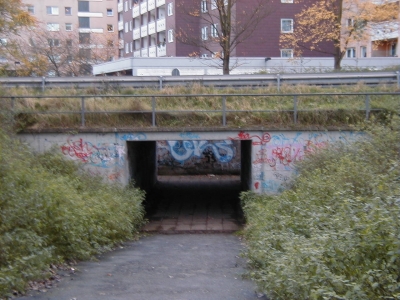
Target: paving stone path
[[160, 266]]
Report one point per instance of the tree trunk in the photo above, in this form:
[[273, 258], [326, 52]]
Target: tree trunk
[[225, 65], [338, 58]]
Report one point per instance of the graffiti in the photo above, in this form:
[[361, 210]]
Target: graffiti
[[281, 177], [131, 137], [262, 158], [184, 150], [271, 186], [257, 140], [103, 155], [189, 135]]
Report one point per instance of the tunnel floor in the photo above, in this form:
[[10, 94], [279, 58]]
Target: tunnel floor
[[195, 204]]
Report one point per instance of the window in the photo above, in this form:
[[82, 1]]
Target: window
[[126, 6], [69, 59], [350, 22], [84, 22], [204, 6], [363, 51], [68, 11], [287, 53], [127, 48], [214, 30], [84, 38], [204, 56], [3, 42], [351, 52], [126, 27], [213, 4], [83, 6], [170, 9], [170, 36], [393, 49], [53, 42], [110, 27], [130, 25], [53, 27], [110, 43], [286, 1], [69, 43], [52, 10], [84, 53], [68, 26], [286, 25], [131, 47], [31, 9], [204, 33], [110, 12]]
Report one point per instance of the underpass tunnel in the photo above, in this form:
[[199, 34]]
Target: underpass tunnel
[[191, 185]]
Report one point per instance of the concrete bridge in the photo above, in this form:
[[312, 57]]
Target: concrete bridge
[[262, 159]]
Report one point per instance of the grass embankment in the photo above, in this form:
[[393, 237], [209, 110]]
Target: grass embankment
[[335, 234], [51, 212], [314, 110]]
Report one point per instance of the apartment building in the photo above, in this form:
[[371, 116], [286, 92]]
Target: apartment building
[[147, 28], [90, 25]]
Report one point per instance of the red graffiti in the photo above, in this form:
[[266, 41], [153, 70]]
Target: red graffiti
[[79, 149], [266, 137], [262, 158], [257, 185], [283, 155]]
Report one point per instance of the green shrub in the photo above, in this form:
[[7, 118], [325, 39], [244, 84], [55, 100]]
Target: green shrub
[[51, 211], [335, 234]]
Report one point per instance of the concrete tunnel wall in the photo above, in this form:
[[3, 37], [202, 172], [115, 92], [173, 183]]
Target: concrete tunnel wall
[[267, 157]]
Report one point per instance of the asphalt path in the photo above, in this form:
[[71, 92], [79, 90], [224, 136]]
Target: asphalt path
[[178, 267]]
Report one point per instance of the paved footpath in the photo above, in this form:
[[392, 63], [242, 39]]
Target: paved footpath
[[178, 267]]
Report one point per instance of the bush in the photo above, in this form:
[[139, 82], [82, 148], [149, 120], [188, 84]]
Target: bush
[[336, 233], [51, 211]]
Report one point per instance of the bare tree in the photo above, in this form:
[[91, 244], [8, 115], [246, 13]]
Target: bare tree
[[41, 52], [219, 26]]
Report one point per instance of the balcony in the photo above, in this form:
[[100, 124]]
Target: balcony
[[143, 31], [384, 31], [136, 34], [161, 50], [151, 5], [121, 44], [120, 7], [152, 28], [143, 7], [153, 51], [161, 25], [160, 3], [136, 53], [135, 11], [144, 52], [120, 25]]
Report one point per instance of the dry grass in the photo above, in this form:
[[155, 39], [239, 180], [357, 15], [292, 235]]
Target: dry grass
[[197, 106]]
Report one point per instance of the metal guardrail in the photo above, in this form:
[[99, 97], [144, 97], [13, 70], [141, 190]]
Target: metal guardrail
[[83, 112], [320, 79]]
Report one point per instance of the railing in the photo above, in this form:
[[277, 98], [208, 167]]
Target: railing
[[225, 106], [217, 81]]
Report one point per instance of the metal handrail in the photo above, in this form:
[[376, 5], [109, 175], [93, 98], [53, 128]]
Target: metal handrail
[[83, 111]]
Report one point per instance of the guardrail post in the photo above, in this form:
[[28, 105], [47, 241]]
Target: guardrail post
[[12, 110], [367, 107], [153, 111], [398, 78], [43, 83], [161, 83], [224, 111], [278, 78], [295, 109], [83, 111]]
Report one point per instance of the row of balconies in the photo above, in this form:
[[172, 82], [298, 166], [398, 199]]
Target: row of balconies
[[149, 29], [153, 51], [146, 6]]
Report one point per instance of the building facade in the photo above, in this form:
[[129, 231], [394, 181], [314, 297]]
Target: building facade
[[149, 28]]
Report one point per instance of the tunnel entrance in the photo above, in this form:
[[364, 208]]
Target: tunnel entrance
[[191, 186]]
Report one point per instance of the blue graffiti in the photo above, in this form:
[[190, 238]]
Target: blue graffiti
[[183, 150], [189, 135], [132, 137]]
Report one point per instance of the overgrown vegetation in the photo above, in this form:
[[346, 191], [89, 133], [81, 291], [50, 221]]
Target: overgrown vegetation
[[335, 234], [201, 107], [52, 212]]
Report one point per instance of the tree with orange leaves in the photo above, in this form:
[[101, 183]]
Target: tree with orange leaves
[[13, 16], [340, 22]]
